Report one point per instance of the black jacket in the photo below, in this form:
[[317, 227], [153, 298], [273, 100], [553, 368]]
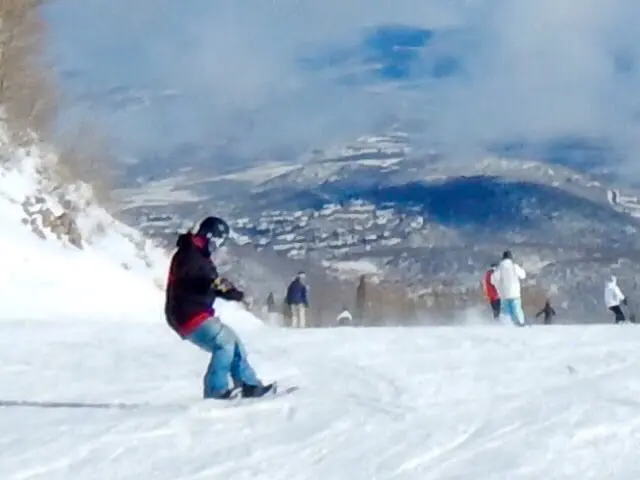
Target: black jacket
[[193, 285]]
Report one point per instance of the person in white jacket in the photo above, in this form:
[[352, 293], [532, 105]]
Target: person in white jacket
[[506, 278], [613, 298]]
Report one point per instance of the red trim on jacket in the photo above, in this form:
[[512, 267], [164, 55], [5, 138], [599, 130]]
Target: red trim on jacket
[[194, 323], [198, 241]]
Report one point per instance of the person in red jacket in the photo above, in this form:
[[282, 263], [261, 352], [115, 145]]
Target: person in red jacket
[[491, 292], [192, 289]]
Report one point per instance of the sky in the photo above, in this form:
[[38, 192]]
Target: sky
[[259, 76]]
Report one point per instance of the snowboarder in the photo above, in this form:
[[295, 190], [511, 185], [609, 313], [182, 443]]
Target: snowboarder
[[297, 300], [613, 298], [506, 278], [192, 288], [345, 318], [548, 313], [491, 292]]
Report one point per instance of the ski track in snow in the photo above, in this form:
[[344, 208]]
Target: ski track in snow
[[415, 403]]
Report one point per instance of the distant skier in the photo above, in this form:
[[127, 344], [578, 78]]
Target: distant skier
[[548, 313], [271, 303], [614, 298], [297, 300], [506, 278], [361, 299], [345, 318], [272, 310], [491, 292], [192, 288]]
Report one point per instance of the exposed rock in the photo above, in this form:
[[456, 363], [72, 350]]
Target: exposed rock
[[47, 218], [42, 218], [35, 228]]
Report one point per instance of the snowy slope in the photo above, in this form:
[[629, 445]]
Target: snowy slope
[[439, 403], [116, 275]]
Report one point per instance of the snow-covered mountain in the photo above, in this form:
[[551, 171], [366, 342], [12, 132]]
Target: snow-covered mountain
[[386, 211]]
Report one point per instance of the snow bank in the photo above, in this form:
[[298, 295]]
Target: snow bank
[[116, 274]]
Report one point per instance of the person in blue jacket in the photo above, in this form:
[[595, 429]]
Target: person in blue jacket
[[297, 300]]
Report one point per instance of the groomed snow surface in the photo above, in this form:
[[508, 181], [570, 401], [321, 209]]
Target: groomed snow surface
[[93, 386], [429, 403]]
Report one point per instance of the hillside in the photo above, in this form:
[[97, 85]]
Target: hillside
[[63, 255], [376, 207]]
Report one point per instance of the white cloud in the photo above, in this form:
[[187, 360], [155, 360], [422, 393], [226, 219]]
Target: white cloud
[[531, 69]]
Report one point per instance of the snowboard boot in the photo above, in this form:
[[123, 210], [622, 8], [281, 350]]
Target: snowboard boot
[[226, 395], [255, 391]]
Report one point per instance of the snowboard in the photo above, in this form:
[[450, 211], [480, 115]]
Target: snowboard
[[276, 391], [235, 397]]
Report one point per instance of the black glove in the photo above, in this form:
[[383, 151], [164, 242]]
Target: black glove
[[625, 301], [223, 285], [227, 290]]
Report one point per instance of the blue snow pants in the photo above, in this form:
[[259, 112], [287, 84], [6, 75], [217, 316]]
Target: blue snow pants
[[512, 308], [228, 357]]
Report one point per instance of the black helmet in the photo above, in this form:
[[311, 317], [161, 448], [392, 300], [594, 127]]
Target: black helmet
[[215, 230]]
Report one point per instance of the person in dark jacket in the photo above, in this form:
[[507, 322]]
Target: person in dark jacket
[[297, 300], [271, 303], [548, 313], [193, 286], [361, 299]]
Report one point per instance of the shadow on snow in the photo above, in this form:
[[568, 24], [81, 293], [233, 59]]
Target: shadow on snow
[[49, 404]]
